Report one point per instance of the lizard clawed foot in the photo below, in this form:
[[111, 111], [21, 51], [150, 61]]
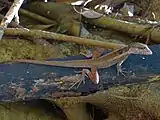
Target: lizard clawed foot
[[119, 70], [79, 81], [122, 72]]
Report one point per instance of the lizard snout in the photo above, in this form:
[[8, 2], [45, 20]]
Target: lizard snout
[[140, 51]]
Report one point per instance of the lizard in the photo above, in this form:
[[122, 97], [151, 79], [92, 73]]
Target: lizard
[[117, 56]]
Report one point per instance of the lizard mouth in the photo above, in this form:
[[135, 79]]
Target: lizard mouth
[[145, 51], [148, 52]]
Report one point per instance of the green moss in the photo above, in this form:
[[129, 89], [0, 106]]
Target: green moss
[[11, 49], [18, 49], [155, 78], [67, 101]]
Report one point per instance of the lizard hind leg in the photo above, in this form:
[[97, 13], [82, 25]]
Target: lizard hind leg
[[96, 53], [92, 75]]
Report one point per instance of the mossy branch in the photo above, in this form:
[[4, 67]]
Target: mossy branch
[[128, 27], [60, 37]]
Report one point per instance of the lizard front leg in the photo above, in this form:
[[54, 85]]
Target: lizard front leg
[[119, 69]]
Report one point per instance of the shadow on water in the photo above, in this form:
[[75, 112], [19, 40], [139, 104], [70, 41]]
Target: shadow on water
[[48, 106], [96, 112]]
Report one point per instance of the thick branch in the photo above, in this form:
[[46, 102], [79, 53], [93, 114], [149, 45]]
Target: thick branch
[[60, 37], [127, 27]]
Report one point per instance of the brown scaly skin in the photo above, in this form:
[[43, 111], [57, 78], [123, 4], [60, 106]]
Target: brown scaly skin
[[116, 57]]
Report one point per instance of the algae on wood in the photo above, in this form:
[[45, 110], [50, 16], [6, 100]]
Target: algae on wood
[[14, 49], [132, 102]]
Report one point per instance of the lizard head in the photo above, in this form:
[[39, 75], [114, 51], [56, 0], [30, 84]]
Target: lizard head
[[140, 48]]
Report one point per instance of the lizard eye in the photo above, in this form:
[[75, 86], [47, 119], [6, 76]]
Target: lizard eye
[[140, 46]]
